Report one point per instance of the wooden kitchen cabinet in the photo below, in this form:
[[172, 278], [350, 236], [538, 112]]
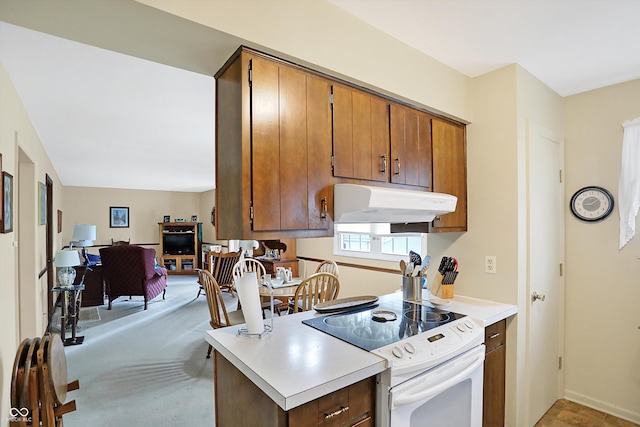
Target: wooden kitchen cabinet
[[360, 134], [410, 161], [450, 172], [494, 375], [273, 150], [283, 140], [247, 405]]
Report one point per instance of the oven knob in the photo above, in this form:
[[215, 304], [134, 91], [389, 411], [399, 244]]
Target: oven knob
[[461, 328], [469, 324], [410, 348], [397, 352]]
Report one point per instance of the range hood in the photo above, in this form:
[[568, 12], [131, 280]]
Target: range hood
[[361, 203]]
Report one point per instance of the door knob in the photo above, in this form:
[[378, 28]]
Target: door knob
[[535, 296]]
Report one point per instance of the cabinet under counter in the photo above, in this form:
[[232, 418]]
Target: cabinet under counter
[[248, 405], [294, 364]]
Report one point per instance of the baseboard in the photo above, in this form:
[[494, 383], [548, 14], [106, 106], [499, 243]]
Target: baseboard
[[603, 406]]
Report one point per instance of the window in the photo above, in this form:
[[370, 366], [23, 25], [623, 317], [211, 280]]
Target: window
[[375, 241]]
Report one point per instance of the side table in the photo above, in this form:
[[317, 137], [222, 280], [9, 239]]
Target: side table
[[93, 293], [69, 310]]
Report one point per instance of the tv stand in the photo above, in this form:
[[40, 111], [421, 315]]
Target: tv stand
[[180, 246]]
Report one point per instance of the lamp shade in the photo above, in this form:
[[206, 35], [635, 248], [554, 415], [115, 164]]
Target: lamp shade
[[84, 234], [66, 258]]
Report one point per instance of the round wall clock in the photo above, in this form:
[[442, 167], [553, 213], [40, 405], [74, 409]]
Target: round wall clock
[[591, 204]]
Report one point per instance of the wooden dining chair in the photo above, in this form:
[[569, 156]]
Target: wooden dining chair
[[222, 270], [248, 265], [317, 288], [328, 266], [253, 265], [219, 316]]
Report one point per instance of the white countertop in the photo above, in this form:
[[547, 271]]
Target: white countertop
[[488, 312], [295, 363]]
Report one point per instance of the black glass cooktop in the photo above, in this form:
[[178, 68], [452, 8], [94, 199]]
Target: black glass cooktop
[[364, 329]]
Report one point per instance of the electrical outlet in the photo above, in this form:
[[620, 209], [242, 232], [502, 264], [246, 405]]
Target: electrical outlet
[[490, 264]]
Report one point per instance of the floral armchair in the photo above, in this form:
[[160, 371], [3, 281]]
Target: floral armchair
[[131, 270]]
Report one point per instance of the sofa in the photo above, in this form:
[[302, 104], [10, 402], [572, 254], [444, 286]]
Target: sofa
[[132, 270]]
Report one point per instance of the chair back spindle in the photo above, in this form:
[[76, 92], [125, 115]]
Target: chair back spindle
[[317, 288]]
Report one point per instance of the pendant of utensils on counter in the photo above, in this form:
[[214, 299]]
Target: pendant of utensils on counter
[[417, 266]]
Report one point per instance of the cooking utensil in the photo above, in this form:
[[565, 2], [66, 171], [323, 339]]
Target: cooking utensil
[[424, 265], [403, 267], [415, 258], [409, 269]]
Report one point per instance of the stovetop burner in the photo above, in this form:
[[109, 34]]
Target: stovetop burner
[[361, 329], [427, 316]]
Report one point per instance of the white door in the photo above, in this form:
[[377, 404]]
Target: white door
[[546, 246]]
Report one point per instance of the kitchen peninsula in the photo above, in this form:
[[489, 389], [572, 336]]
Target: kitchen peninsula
[[298, 373]]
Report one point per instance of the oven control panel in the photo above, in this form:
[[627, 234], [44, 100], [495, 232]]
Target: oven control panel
[[430, 348]]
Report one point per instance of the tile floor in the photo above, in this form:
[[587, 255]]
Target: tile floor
[[564, 413]]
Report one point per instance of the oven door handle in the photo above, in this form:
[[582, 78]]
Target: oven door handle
[[408, 398]]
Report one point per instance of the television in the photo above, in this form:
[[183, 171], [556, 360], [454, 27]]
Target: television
[[178, 244]]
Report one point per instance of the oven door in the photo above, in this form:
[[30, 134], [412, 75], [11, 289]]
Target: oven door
[[448, 395]]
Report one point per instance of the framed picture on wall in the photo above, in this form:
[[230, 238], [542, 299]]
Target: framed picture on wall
[[167, 218], [42, 203], [118, 217], [194, 218], [7, 202], [59, 221]]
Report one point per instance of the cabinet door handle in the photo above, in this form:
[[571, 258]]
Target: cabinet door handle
[[397, 171], [383, 164], [336, 413], [496, 335], [323, 212]]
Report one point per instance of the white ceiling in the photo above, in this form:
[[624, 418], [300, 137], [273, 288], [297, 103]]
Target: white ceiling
[[113, 120], [571, 45]]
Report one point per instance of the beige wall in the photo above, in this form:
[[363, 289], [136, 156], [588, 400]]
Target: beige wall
[[23, 297], [603, 289], [84, 205]]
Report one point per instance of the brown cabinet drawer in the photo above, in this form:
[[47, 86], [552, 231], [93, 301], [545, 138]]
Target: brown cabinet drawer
[[350, 406], [333, 409], [495, 335]]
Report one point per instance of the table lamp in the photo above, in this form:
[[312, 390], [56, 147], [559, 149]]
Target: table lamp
[[83, 235], [66, 260]]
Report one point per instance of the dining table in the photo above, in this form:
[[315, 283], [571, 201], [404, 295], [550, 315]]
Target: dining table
[[282, 292]]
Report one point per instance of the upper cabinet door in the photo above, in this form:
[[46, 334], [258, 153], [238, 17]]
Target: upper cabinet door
[[397, 144], [279, 147], [342, 112], [380, 139], [360, 134], [265, 144], [410, 146], [450, 172], [294, 213], [319, 179]]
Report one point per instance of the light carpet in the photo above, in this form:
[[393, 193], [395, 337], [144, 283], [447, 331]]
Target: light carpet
[[145, 368]]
